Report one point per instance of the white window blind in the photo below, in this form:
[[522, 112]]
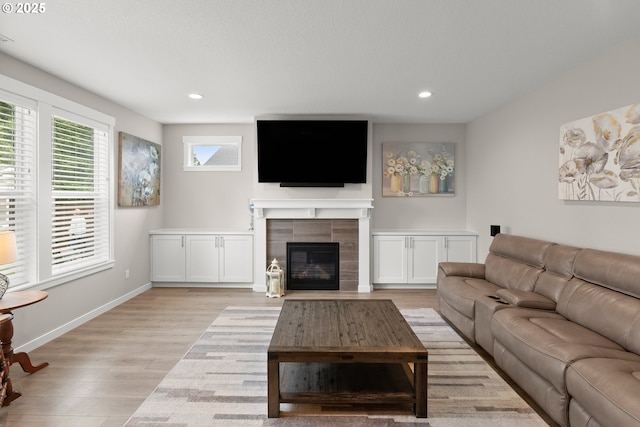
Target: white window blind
[[17, 190], [80, 191]]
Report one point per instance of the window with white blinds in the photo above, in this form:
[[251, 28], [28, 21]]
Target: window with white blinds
[[17, 189], [55, 186], [80, 195]]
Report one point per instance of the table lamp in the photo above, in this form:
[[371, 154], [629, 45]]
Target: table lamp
[[8, 254]]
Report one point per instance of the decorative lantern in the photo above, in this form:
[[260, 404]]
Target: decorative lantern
[[275, 280]]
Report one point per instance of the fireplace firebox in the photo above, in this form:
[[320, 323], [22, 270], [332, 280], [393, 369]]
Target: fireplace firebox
[[313, 266]]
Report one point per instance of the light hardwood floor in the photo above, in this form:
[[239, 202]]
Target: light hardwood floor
[[100, 372]]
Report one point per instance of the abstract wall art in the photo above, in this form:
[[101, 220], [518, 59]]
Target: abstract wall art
[[600, 157], [139, 172]]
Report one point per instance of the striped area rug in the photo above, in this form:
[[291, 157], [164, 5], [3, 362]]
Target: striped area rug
[[222, 381]]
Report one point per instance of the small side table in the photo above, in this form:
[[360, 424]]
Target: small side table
[[11, 301]]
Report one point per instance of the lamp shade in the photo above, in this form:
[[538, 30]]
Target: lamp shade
[[8, 249]]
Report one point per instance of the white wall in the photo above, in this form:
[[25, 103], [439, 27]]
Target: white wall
[[207, 199], [73, 300], [420, 212], [513, 160], [221, 199]]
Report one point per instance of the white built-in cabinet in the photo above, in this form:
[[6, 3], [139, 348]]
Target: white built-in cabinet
[[412, 256], [201, 256], [168, 259]]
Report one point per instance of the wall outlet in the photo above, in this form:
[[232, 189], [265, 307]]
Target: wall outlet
[[126, 273]]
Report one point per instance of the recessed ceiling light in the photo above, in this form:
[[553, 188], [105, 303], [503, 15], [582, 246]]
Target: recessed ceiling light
[[195, 96], [424, 94]]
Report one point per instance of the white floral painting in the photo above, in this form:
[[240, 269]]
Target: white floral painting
[[418, 169], [600, 157], [139, 177]]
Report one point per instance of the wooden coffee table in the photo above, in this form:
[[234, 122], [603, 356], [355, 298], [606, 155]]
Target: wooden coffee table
[[345, 351]]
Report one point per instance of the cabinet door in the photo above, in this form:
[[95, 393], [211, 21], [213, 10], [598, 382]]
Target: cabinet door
[[424, 255], [389, 259], [460, 248], [167, 258], [236, 259], [202, 258]]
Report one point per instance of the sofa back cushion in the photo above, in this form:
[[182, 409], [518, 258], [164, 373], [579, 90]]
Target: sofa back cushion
[[515, 262], [558, 270], [603, 296], [609, 313], [619, 272]]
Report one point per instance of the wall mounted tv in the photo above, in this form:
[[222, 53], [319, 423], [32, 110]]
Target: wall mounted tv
[[312, 153]]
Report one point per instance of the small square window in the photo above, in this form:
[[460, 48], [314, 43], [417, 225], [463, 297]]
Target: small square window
[[212, 153]]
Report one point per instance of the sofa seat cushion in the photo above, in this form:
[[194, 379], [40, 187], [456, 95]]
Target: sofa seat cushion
[[548, 343], [608, 389], [461, 293]]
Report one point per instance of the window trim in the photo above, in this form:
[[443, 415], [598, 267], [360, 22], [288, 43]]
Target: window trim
[[47, 106], [192, 141]]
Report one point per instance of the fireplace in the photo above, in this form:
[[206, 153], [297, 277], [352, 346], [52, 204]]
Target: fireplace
[[300, 221], [341, 232], [313, 266]]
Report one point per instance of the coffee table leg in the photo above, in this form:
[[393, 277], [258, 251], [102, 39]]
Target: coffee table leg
[[420, 382], [273, 386]]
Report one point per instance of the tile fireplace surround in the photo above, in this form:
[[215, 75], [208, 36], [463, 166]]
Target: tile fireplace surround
[[344, 232], [309, 209]]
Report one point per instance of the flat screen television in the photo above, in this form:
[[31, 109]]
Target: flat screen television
[[312, 153]]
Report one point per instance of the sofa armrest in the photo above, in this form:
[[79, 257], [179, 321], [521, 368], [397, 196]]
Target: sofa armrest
[[464, 269], [526, 299]]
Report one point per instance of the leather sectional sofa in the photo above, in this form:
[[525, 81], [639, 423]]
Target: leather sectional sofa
[[562, 322]]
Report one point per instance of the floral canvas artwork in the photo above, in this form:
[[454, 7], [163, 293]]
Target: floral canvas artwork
[[418, 169], [600, 157], [139, 175]]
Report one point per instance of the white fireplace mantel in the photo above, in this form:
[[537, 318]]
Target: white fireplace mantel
[[312, 208], [359, 209]]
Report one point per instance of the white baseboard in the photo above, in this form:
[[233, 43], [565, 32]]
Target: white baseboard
[[260, 287], [202, 285], [55, 333], [365, 288], [405, 286]]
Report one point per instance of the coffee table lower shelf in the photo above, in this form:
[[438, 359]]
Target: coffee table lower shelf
[[342, 383]]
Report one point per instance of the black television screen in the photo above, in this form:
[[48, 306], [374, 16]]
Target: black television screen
[[312, 153]]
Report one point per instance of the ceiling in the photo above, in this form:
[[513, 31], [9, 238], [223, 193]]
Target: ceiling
[[253, 58]]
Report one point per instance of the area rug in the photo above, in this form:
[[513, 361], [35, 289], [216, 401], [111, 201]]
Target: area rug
[[222, 381]]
